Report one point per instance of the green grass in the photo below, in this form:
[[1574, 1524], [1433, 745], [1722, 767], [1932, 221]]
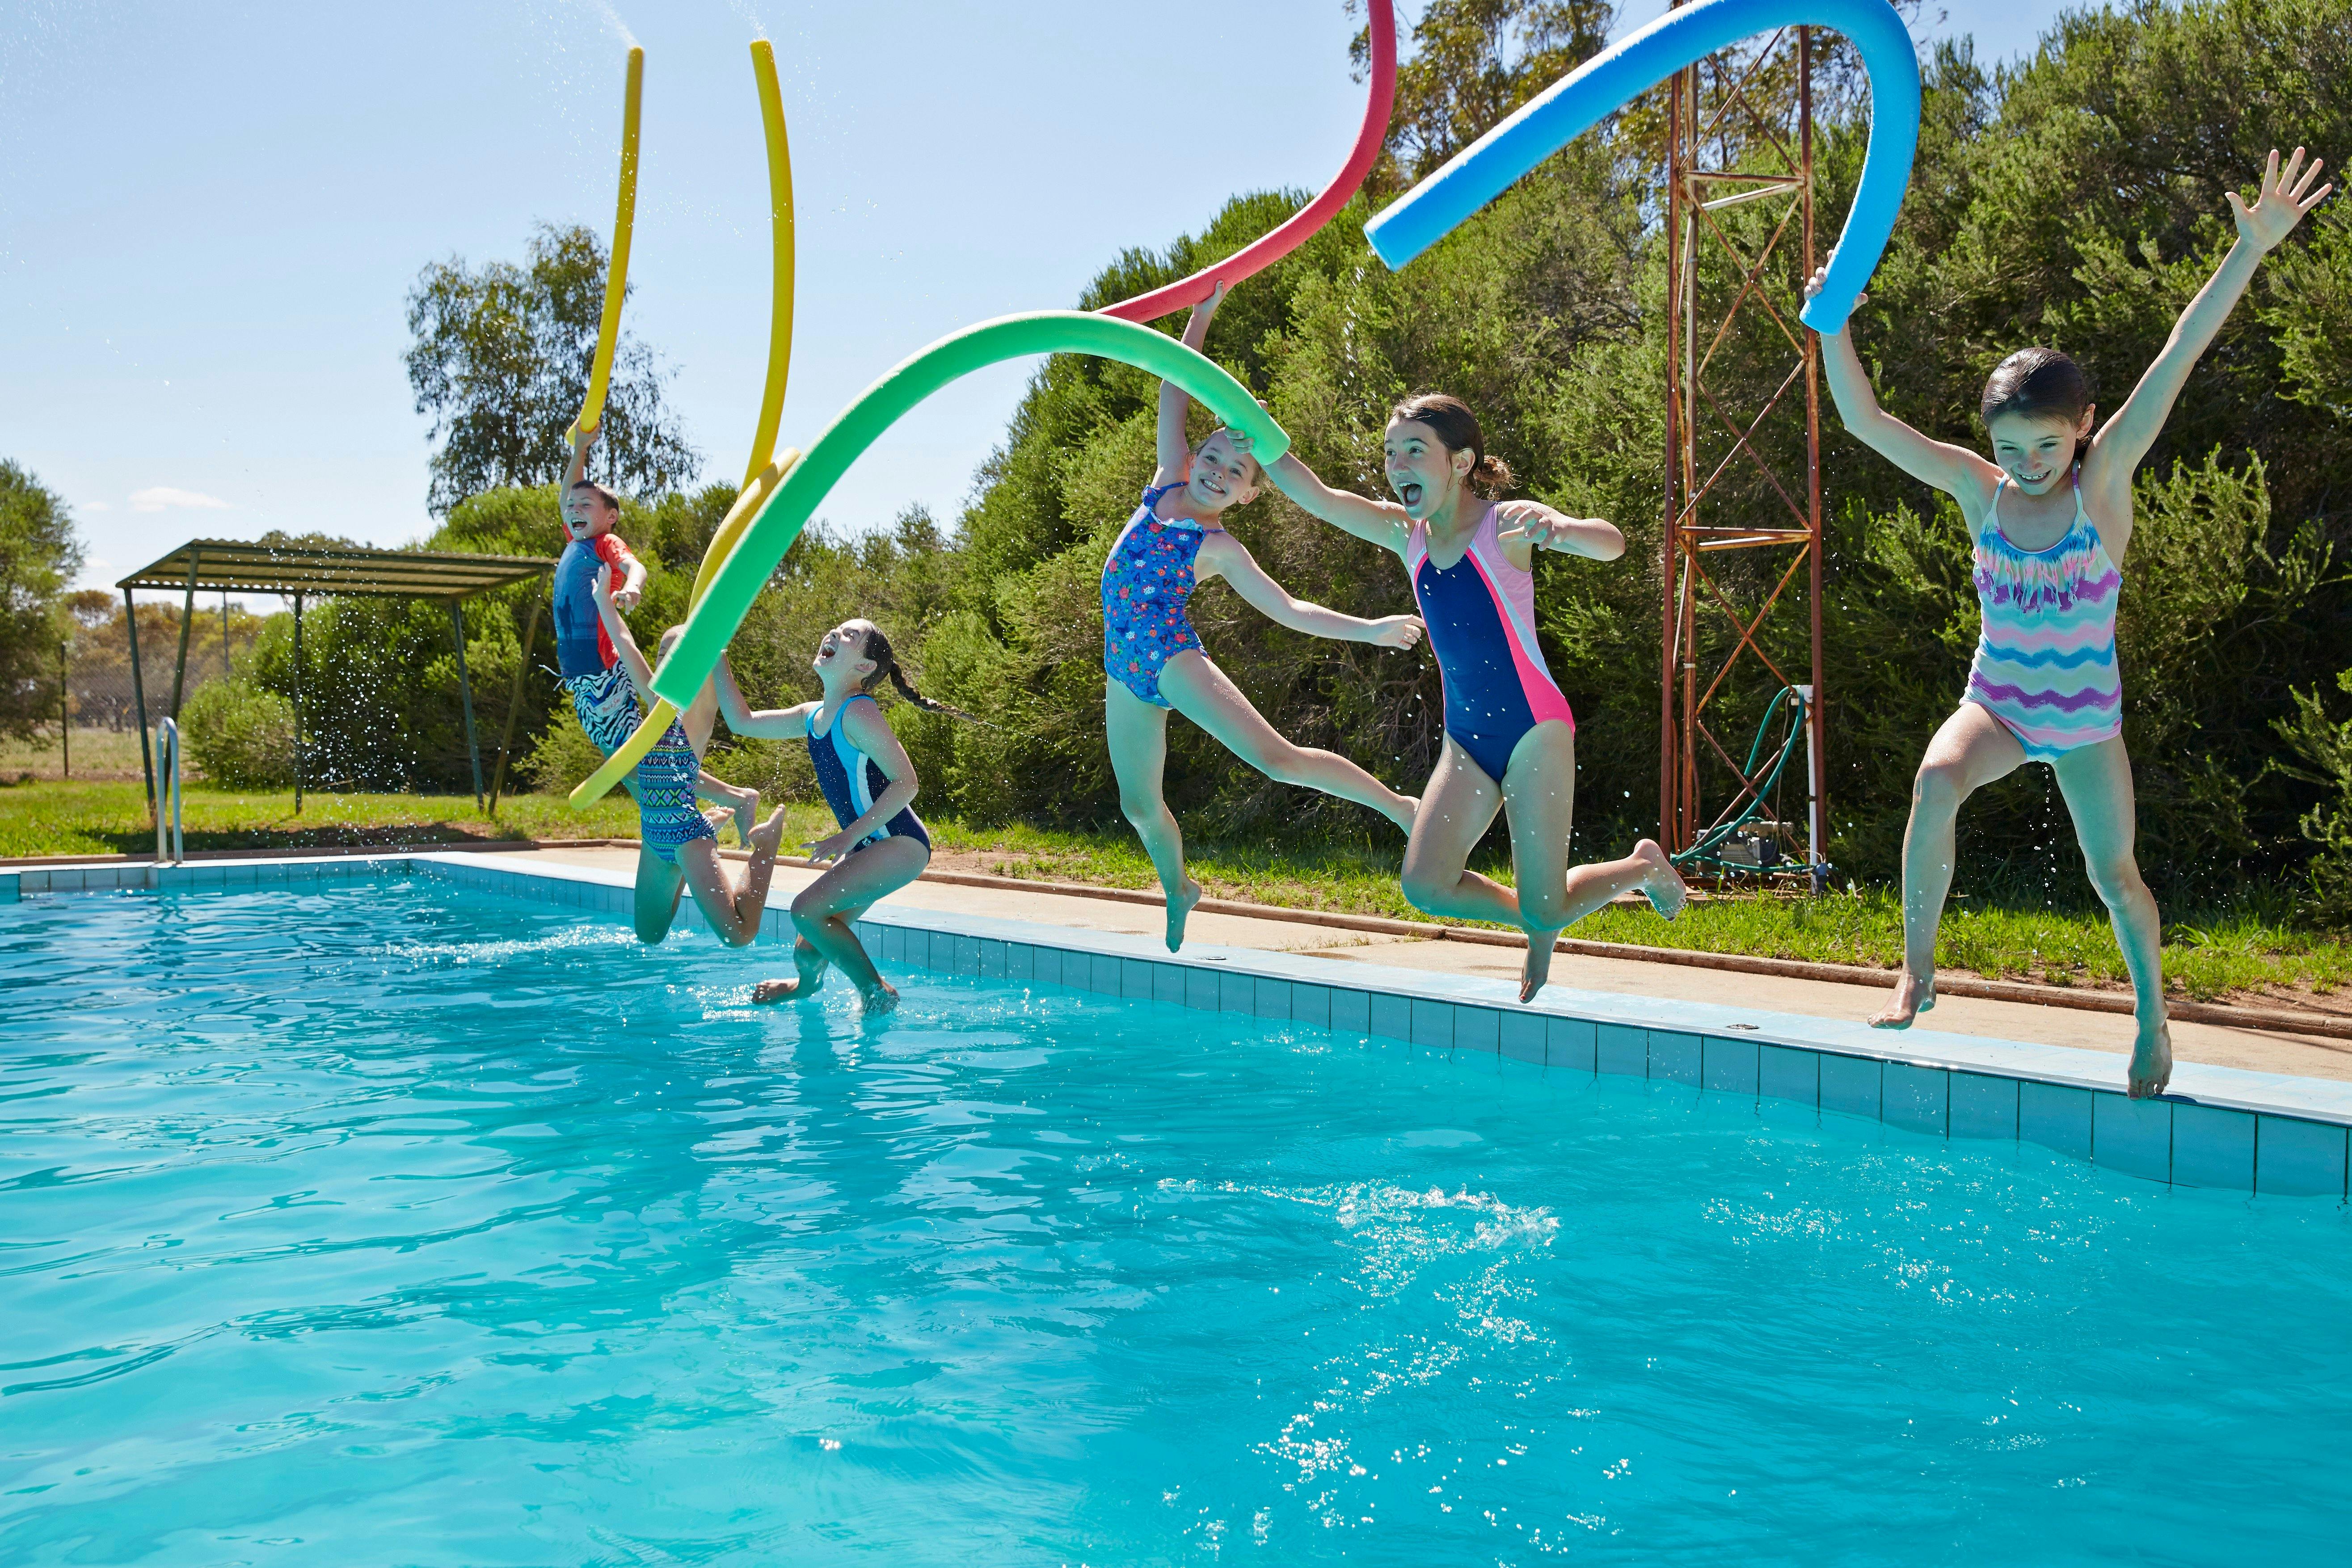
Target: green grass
[[2250, 947]]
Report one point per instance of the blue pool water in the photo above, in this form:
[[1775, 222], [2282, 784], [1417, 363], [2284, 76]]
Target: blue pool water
[[391, 1223]]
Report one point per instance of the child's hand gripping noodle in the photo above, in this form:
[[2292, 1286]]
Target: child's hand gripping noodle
[[1173, 543], [2050, 517]]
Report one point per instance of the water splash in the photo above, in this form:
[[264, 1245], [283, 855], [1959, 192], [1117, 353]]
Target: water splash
[[751, 19], [612, 19]]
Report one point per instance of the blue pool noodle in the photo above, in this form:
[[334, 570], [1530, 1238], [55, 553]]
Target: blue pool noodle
[[1615, 77]]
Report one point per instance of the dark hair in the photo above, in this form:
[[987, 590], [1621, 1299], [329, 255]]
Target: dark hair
[[2037, 384], [886, 663], [1457, 428], [611, 502]]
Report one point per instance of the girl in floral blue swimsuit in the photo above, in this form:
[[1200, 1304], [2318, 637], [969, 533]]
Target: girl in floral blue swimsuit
[[1154, 660]]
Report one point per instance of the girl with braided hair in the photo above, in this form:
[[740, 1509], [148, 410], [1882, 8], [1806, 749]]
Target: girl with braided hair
[[868, 781]]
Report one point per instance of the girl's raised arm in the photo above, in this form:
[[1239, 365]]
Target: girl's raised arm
[[1380, 522], [765, 723], [2124, 439], [1956, 470], [1175, 446], [641, 674]]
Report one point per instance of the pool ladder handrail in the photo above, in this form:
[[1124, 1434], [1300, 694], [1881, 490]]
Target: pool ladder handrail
[[172, 850]]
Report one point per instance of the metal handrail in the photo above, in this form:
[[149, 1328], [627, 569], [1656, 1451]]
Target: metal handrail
[[172, 851]]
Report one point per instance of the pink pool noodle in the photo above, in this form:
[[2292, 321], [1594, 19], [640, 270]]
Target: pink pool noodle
[[1272, 247]]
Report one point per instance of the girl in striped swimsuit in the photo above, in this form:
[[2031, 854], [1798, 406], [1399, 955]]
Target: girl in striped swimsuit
[[1510, 740], [2051, 517]]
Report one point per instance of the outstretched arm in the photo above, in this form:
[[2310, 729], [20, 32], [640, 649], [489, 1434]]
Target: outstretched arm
[[871, 733], [765, 723], [2123, 441], [641, 674], [1380, 522], [1221, 555], [1956, 470], [1175, 449]]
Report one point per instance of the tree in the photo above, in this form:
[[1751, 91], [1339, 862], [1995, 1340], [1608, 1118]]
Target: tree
[[499, 358], [1471, 62], [38, 557]]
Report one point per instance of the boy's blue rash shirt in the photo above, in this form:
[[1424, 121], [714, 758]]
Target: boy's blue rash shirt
[[580, 645]]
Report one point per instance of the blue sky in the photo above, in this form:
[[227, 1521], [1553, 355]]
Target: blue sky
[[214, 211]]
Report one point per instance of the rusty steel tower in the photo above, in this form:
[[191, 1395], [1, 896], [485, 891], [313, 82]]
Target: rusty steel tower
[[1742, 553]]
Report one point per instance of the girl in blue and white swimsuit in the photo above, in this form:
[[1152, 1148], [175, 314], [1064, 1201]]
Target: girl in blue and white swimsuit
[[1154, 660], [1510, 740], [868, 781]]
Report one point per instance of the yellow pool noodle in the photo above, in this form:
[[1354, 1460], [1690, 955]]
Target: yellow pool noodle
[[779, 217], [761, 477], [616, 275]]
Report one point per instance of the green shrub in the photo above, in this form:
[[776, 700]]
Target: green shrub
[[563, 756], [240, 736]]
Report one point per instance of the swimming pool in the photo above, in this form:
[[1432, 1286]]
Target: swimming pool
[[398, 1222]]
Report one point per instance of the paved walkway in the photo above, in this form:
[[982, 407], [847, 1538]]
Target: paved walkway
[[2214, 1045]]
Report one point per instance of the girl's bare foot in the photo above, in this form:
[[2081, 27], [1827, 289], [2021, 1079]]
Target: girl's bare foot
[[1912, 997], [764, 839], [1663, 885], [746, 812], [882, 999], [2151, 1063], [810, 965], [1179, 910], [1539, 964]]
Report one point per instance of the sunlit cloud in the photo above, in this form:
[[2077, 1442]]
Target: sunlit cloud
[[162, 498], [94, 506]]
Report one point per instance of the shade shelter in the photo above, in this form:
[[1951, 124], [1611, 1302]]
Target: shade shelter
[[305, 571]]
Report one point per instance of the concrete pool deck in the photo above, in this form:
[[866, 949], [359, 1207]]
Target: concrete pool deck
[[2251, 1050]]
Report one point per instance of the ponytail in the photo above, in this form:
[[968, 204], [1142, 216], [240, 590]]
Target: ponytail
[[1457, 430], [886, 664]]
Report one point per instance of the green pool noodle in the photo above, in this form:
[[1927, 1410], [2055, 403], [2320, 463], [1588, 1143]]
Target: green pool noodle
[[715, 620]]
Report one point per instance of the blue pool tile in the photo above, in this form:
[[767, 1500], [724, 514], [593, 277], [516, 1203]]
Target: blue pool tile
[[991, 958], [1137, 982], [1916, 1096], [966, 959], [1236, 993], [1783, 1072], [1477, 1030], [1270, 998], [2299, 1159], [1432, 1023], [1674, 1058], [1201, 989], [1392, 1016], [1351, 1012], [1573, 1044], [12, 887], [1622, 1049], [1045, 966], [2054, 1116], [1020, 961], [2213, 1147], [1104, 977], [1728, 1066], [1168, 983], [1854, 1084], [893, 948], [2134, 1136], [239, 876], [70, 879], [1983, 1106], [1312, 1005], [1520, 1037]]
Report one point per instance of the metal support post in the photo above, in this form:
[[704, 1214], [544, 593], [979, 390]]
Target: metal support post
[[514, 697], [139, 697], [298, 704], [465, 694], [187, 619]]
